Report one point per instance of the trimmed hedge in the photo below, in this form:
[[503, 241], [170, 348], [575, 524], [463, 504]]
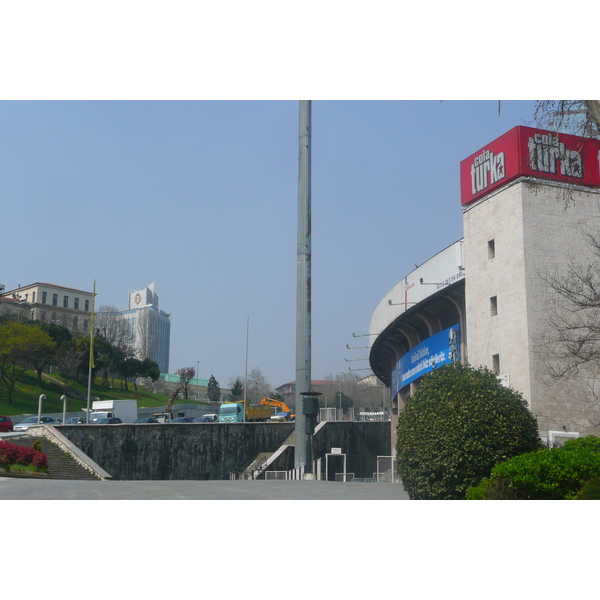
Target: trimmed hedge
[[459, 424], [551, 474]]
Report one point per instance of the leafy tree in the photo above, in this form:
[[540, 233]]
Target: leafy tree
[[104, 355], [43, 355], [214, 391], [82, 345], [237, 390], [186, 374], [128, 367], [68, 358], [59, 333], [19, 343], [456, 427], [150, 369]]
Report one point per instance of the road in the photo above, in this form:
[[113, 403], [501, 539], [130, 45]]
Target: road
[[32, 489]]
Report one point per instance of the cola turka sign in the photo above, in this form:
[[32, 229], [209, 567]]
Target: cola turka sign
[[524, 151]]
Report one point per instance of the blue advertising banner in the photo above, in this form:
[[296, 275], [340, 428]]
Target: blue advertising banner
[[439, 349]]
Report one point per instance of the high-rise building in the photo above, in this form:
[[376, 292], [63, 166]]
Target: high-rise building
[[150, 327]]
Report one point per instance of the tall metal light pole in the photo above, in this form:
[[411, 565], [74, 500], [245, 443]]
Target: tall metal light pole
[[91, 365], [303, 288]]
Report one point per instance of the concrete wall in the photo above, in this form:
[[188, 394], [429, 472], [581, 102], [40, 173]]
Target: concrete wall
[[362, 442], [214, 450], [177, 451]]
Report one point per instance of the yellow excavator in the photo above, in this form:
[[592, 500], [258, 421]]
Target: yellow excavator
[[284, 413]]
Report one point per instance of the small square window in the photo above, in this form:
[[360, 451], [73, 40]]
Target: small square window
[[491, 249]]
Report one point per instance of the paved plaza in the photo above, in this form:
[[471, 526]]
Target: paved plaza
[[34, 489]]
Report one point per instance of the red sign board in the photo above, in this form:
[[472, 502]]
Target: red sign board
[[524, 151]]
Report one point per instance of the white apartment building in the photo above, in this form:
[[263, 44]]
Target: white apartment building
[[150, 327]]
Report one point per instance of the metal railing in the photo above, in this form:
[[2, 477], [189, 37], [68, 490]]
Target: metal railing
[[386, 473]]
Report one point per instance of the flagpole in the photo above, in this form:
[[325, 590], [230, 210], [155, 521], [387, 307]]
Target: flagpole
[[91, 364]]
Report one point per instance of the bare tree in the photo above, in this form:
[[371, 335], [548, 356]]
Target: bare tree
[[572, 344], [113, 327], [578, 117], [147, 334], [186, 374], [258, 386]]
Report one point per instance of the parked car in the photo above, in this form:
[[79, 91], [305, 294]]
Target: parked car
[[183, 420], [206, 419], [109, 421], [6, 424], [75, 420], [147, 420], [32, 422]]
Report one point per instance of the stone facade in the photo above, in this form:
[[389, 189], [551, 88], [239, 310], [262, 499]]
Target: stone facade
[[513, 238]]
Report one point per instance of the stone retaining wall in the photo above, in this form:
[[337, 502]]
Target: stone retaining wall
[[214, 450]]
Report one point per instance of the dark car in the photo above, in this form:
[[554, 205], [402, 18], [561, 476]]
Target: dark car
[[75, 420], [6, 424], [183, 420], [110, 421], [205, 419], [147, 420]]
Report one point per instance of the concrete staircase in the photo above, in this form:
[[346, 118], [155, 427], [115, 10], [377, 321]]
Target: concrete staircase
[[258, 463], [60, 464]]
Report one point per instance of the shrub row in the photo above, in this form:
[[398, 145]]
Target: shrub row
[[13, 454], [570, 472]]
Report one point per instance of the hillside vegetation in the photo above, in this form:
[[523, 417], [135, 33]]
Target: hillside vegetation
[[27, 392]]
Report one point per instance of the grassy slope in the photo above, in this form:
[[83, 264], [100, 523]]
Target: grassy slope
[[27, 392]]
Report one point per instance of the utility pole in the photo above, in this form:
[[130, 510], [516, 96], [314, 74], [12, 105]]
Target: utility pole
[[303, 287]]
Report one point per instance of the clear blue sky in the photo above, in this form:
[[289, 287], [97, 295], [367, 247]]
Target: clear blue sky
[[157, 145], [201, 198]]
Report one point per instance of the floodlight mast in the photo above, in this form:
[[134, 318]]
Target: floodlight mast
[[303, 288]]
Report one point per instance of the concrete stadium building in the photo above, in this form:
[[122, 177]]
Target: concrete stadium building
[[530, 199]]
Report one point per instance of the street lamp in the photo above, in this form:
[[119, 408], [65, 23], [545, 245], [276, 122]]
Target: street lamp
[[41, 399], [64, 399]]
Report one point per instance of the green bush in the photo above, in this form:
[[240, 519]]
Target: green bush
[[590, 490], [456, 427], [551, 474], [479, 492]]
